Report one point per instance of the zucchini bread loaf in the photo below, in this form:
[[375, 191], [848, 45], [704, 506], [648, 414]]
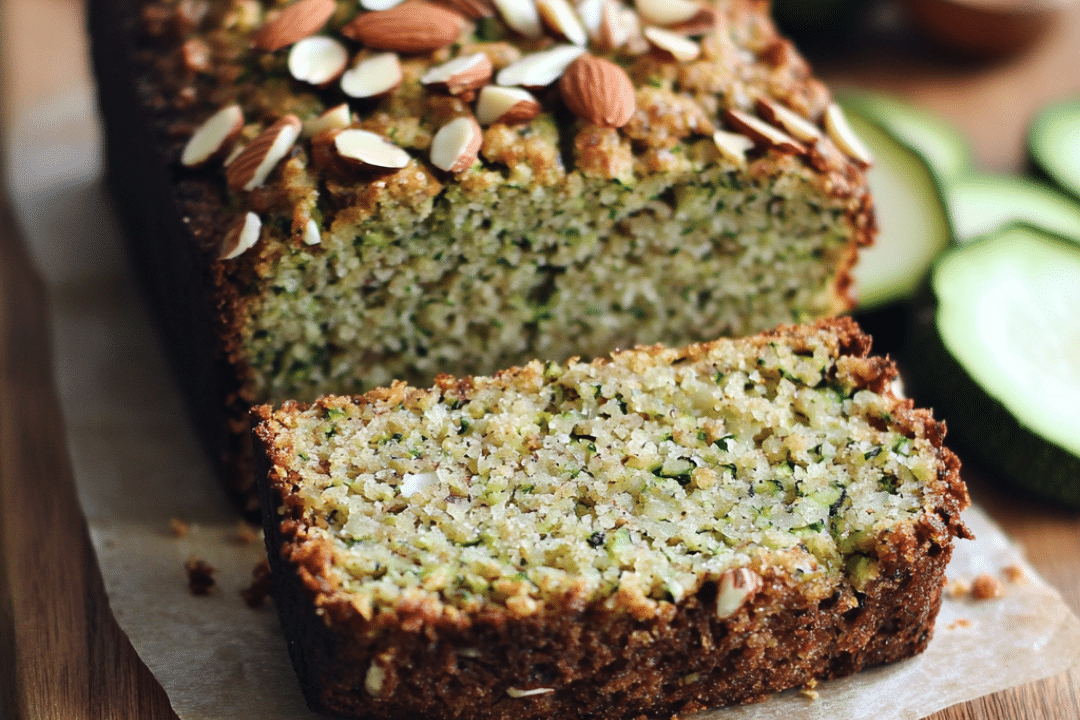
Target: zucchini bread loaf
[[654, 533], [324, 198]]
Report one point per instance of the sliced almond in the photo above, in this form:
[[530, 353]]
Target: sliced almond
[[620, 27], [598, 91], [338, 117], [250, 168], [667, 12], [372, 76], [467, 72], [214, 137], [379, 4], [590, 11], [507, 105], [539, 69], [560, 16], [736, 587], [522, 16], [762, 133], [836, 125], [794, 123], [241, 237], [473, 9], [312, 233], [456, 145], [294, 23], [679, 46], [318, 60], [369, 149], [415, 26], [732, 146]]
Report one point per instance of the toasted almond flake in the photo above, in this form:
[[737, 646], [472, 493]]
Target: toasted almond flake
[[680, 47], [415, 26], [560, 16], [733, 146], [518, 693], [590, 11], [762, 133], [233, 154], [374, 679], [736, 587], [474, 9], [312, 233], [456, 145], [598, 91], [667, 12], [507, 105], [338, 117], [369, 149], [241, 237], [836, 125], [467, 72], [795, 124], [372, 76], [294, 23], [620, 27], [706, 20], [539, 69], [379, 4], [250, 168], [522, 16], [214, 137], [318, 60]]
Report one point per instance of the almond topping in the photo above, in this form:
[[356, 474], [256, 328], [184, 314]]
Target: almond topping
[[539, 69], [312, 233], [619, 27], [762, 133], [250, 168], [507, 105], [214, 137], [468, 72], [522, 17], [456, 145], [791, 121], [474, 9], [296, 22], [598, 91], [840, 131], [338, 117], [379, 4], [667, 12], [415, 26], [560, 16], [589, 11], [736, 587], [733, 146], [318, 60], [369, 149], [241, 237], [372, 76], [681, 48]]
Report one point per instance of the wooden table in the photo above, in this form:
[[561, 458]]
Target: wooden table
[[62, 654]]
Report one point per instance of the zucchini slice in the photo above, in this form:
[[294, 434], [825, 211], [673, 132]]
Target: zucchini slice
[[998, 356], [1054, 143], [980, 203], [912, 218], [940, 144]]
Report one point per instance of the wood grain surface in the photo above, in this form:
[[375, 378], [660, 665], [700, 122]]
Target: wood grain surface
[[62, 654]]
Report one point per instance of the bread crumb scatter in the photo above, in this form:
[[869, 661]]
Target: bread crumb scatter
[[1014, 574], [200, 576], [246, 534], [986, 587], [179, 528], [262, 584], [958, 588]]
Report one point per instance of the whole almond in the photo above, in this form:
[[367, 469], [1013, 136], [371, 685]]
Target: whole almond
[[415, 26], [598, 91], [474, 9], [250, 168], [296, 22]]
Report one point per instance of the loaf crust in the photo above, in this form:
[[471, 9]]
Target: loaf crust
[[601, 660]]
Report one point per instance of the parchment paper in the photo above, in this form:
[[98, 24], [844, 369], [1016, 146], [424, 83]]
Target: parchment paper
[[138, 467]]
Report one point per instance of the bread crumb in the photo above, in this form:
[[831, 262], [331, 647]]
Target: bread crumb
[[958, 589], [986, 586], [246, 534], [179, 528], [960, 623], [200, 576], [1013, 573], [808, 691], [262, 584]]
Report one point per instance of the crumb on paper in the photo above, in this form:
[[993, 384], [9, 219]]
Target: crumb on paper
[[200, 576], [262, 584], [246, 534], [960, 623], [179, 528], [958, 588], [1014, 573], [808, 689], [986, 587]]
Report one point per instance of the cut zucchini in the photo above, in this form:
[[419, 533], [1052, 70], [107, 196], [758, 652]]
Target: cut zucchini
[[998, 357], [1054, 144], [979, 204], [911, 215], [940, 144]]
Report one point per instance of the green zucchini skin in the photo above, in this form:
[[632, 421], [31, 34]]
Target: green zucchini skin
[[981, 426], [1053, 129], [982, 202]]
